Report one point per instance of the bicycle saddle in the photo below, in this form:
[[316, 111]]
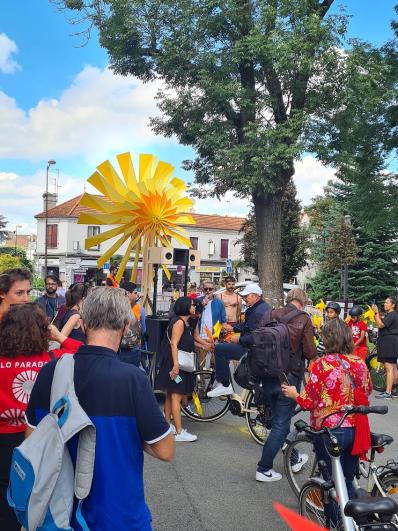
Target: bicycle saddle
[[379, 439], [361, 508]]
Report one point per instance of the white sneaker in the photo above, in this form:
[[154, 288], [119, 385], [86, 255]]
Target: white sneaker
[[185, 436], [220, 390], [268, 476], [303, 458]]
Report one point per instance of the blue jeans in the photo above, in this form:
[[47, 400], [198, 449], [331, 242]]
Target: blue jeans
[[282, 409], [349, 463], [224, 352]]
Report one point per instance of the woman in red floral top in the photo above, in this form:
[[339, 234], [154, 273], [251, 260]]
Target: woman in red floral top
[[329, 389], [24, 337]]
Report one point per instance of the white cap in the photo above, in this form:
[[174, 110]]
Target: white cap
[[251, 288]]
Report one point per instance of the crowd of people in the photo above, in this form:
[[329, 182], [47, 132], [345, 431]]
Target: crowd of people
[[105, 326]]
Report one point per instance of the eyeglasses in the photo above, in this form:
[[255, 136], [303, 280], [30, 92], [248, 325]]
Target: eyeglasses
[[208, 289]]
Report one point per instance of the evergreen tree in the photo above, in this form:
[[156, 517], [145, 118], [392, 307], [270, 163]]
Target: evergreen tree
[[3, 232]]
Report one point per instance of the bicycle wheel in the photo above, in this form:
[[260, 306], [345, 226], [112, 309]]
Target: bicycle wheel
[[377, 371], [389, 483], [201, 407], [311, 504], [258, 419], [301, 445]]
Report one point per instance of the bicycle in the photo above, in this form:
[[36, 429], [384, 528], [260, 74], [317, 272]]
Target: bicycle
[[376, 369], [325, 499], [202, 408], [380, 480]]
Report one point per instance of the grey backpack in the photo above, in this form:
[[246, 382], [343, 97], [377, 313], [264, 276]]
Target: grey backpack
[[43, 482]]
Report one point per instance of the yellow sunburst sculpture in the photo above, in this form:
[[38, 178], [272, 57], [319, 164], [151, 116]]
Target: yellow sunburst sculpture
[[149, 210]]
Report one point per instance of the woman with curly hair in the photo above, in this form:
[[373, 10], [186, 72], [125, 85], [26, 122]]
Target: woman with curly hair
[[24, 339]]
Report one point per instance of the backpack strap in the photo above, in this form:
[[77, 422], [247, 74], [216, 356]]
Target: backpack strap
[[51, 354], [73, 421], [266, 318]]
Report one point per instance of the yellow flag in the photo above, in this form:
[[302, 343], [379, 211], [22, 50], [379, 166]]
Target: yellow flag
[[317, 321], [321, 305], [217, 329], [369, 315], [197, 403]]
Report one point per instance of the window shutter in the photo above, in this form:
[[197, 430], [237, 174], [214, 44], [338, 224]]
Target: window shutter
[[224, 249]]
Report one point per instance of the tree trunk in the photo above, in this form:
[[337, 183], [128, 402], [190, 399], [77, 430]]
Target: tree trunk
[[269, 253]]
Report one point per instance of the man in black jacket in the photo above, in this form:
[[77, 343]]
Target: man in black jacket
[[224, 352]]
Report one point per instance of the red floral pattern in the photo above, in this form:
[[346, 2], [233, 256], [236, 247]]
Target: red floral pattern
[[328, 389]]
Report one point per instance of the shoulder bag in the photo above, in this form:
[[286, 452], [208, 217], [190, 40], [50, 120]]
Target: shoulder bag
[[186, 360]]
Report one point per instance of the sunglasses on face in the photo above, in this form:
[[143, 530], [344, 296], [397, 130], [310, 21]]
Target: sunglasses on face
[[208, 289]]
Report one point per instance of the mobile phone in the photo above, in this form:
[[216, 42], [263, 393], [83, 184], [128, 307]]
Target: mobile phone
[[373, 301], [178, 379]]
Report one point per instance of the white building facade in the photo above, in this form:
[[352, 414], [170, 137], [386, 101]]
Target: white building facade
[[216, 237]]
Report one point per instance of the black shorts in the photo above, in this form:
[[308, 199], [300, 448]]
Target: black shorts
[[387, 360]]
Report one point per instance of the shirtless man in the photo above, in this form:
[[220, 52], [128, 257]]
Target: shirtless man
[[232, 302]]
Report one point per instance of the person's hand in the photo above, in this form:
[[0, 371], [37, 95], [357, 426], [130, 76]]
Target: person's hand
[[289, 391], [227, 327], [208, 347], [375, 308], [174, 371], [55, 334]]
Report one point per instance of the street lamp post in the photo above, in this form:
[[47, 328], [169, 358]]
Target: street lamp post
[[16, 238], [49, 163]]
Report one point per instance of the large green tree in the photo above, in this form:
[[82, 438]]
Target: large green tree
[[243, 81]]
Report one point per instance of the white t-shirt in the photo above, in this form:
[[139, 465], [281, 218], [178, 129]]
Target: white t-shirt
[[207, 320]]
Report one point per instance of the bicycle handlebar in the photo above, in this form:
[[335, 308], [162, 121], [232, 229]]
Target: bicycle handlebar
[[301, 425]]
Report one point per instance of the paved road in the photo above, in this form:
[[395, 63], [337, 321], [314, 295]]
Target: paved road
[[210, 485]]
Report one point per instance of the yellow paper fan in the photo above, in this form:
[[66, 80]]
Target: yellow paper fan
[[147, 210]]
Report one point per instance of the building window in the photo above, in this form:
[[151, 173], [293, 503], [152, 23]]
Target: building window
[[93, 230], [52, 236], [194, 243], [224, 249]]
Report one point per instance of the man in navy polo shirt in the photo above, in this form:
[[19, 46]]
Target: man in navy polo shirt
[[120, 402]]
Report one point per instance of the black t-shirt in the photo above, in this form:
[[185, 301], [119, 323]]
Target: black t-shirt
[[390, 321]]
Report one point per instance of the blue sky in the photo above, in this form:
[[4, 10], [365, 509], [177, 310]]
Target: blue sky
[[58, 100]]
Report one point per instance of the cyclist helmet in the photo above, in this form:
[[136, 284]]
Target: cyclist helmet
[[356, 311], [334, 306]]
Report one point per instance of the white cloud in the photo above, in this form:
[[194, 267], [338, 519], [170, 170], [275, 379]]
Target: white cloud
[[100, 113], [22, 195], [310, 177], [7, 49], [228, 205]]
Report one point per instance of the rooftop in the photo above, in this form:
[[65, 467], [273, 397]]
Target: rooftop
[[72, 209]]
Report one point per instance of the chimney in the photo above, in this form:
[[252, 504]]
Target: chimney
[[52, 201]]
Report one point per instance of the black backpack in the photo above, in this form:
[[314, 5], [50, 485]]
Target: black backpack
[[270, 353]]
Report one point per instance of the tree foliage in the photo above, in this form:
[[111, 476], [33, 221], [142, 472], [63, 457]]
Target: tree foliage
[[294, 237], [7, 261], [341, 247], [19, 253], [3, 232]]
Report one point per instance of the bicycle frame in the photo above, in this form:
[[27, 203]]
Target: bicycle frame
[[340, 489]]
